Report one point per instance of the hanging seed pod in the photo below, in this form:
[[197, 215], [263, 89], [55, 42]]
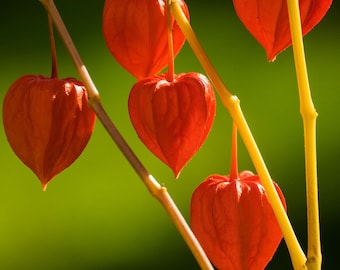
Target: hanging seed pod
[[268, 21], [173, 119], [234, 221], [47, 122], [136, 34]]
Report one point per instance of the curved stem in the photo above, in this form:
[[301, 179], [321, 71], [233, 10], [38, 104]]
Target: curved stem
[[309, 115], [54, 70], [155, 189], [232, 104]]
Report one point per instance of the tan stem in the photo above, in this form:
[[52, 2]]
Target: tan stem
[[155, 189]]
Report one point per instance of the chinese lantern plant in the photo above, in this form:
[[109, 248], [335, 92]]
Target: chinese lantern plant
[[272, 27], [172, 113], [232, 104], [135, 33], [233, 220], [173, 118], [155, 189], [47, 121], [269, 24]]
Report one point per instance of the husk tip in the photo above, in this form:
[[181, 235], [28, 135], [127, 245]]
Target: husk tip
[[44, 186]]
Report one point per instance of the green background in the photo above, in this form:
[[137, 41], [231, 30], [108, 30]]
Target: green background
[[97, 214]]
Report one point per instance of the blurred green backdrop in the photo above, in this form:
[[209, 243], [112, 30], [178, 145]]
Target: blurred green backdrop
[[97, 214]]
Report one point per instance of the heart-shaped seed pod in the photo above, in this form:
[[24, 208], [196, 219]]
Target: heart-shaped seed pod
[[136, 34], [234, 221], [173, 119], [268, 21], [47, 122]]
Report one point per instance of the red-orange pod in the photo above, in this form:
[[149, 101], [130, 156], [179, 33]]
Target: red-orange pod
[[268, 21], [135, 32], [234, 221], [174, 118], [47, 122]]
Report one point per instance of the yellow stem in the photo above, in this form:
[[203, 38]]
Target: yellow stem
[[155, 189], [309, 115], [232, 104]]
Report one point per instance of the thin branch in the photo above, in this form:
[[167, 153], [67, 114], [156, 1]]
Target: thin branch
[[155, 189]]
